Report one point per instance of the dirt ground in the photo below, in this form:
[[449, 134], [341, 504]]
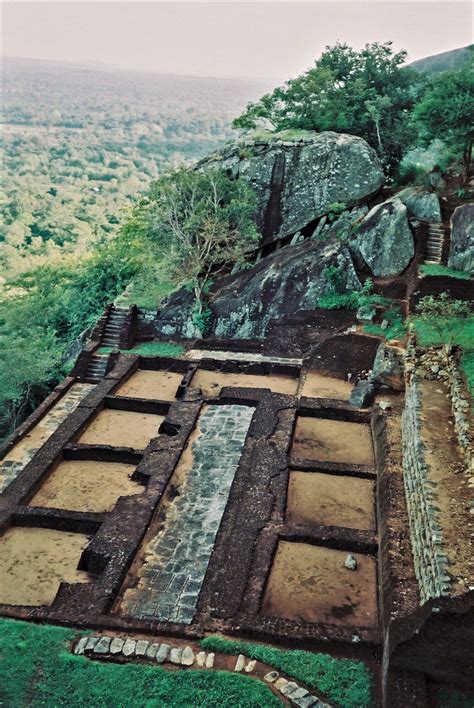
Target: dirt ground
[[447, 469], [330, 500], [33, 562], [156, 385], [84, 485], [122, 429], [332, 441], [211, 382], [310, 583], [318, 386]]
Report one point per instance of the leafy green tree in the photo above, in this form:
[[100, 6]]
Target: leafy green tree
[[366, 93], [446, 112], [199, 222]]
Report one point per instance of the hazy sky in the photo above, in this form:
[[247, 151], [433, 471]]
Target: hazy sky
[[261, 39]]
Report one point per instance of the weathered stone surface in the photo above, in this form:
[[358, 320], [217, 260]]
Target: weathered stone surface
[[461, 252], [363, 394], [240, 663], [102, 646], [297, 182], [289, 688], [271, 677], [142, 646], [421, 204], [251, 666], [176, 654], [129, 647], [187, 657], [81, 645], [116, 645], [299, 693], [290, 280], [162, 653], [280, 683], [384, 240], [201, 658], [389, 367], [91, 642], [152, 651], [351, 562], [210, 660], [171, 580]]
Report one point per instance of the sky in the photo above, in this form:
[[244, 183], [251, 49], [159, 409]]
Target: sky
[[270, 40]]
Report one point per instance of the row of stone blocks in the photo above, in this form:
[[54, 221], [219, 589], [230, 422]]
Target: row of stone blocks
[[429, 560], [130, 649]]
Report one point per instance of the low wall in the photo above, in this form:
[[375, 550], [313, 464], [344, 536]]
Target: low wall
[[429, 560]]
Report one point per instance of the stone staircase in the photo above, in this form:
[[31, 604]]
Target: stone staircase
[[97, 368], [435, 243], [113, 327]]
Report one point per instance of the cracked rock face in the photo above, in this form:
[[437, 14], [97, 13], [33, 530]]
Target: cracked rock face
[[290, 280], [385, 240], [421, 204], [297, 182], [461, 252]]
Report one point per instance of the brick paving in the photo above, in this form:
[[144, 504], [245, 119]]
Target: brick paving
[[177, 558], [19, 456]]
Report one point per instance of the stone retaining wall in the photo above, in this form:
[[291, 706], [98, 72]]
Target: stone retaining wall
[[426, 538]]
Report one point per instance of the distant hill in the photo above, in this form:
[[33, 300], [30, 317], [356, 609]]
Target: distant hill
[[445, 61]]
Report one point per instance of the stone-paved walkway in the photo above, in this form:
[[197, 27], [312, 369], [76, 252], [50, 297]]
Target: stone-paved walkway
[[177, 558], [19, 456]]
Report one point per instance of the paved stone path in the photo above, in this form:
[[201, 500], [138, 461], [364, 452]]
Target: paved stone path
[[177, 558], [239, 356], [16, 460]]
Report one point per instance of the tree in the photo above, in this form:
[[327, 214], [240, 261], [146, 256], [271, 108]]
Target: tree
[[446, 110], [443, 315], [199, 222], [367, 93]]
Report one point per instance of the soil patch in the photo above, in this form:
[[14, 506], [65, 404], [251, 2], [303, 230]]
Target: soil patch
[[85, 485], [156, 385], [122, 429], [319, 386], [447, 469], [311, 584], [34, 561], [332, 441], [211, 382], [330, 500]]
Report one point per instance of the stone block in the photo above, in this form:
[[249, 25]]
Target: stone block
[[102, 646], [162, 653], [187, 657], [129, 647], [142, 646], [116, 645], [176, 654]]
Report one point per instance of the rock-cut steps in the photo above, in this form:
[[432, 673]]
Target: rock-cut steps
[[97, 368], [113, 327], [435, 243]]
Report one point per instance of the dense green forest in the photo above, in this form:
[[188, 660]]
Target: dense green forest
[[88, 156], [80, 144]]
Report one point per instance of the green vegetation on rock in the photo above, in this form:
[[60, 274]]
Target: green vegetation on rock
[[38, 669], [149, 349], [347, 682]]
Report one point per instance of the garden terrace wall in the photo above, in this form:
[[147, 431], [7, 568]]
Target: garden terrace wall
[[435, 285]]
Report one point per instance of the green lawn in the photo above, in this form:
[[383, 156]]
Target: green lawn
[[347, 682], [37, 669]]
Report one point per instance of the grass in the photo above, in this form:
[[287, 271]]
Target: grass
[[434, 269], [396, 328], [37, 669], [461, 332], [149, 349], [347, 682]]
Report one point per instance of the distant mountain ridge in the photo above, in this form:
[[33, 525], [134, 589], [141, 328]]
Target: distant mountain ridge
[[446, 61]]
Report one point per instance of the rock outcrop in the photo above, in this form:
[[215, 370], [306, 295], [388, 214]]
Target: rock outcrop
[[421, 204], [384, 239], [290, 280], [297, 181], [461, 252]]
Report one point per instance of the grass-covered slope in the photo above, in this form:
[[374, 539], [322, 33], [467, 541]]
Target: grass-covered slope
[[38, 669], [347, 682]]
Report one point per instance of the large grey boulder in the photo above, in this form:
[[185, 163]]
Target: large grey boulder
[[286, 282], [384, 239], [297, 181], [421, 204], [461, 251]]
